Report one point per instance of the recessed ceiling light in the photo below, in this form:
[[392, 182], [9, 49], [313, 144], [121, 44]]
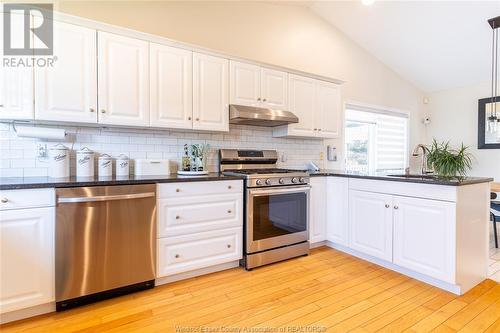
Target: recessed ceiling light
[[367, 2]]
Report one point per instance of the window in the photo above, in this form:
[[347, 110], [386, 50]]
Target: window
[[376, 140]]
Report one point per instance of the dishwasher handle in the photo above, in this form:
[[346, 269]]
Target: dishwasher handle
[[106, 198]]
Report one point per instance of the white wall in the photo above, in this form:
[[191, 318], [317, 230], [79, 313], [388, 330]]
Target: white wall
[[454, 117], [286, 35]]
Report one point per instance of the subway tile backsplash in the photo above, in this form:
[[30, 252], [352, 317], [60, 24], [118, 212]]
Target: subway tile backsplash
[[18, 156]]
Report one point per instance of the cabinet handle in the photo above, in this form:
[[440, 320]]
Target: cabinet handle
[[386, 206], [177, 217], [396, 207], [228, 246], [319, 129], [103, 111], [177, 190], [92, 110], [229, 211], [1, 105], [177, 256], [5, 200], [315, 129]]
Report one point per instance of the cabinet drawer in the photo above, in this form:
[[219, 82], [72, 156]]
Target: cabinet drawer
[[183, 216], [189, 252], [16, 199], [178, 190]]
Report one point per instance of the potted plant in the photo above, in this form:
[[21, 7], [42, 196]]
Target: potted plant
[[448, 162]]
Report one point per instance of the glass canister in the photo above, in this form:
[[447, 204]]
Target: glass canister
[[85, 163], [122, 168], [105, 164], [58, 161]]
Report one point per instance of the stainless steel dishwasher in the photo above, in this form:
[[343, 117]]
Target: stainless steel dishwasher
[[105, 242]]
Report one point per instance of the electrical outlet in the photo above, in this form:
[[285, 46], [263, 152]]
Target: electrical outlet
[[41, 150], [321, 156]]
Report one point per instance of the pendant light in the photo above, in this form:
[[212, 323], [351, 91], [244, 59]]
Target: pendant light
[[493, 119]]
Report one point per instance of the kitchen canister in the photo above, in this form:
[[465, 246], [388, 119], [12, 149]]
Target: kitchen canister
[[105, 164], [58, 161], [122, 166], [85, 163]]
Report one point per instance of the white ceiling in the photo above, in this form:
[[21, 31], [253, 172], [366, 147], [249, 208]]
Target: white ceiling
[[436, 45]]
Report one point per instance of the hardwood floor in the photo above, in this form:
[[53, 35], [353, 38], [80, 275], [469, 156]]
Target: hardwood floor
[[328, 291]]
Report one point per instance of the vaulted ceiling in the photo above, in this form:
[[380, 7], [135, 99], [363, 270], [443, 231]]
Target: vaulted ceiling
[[436, 45]]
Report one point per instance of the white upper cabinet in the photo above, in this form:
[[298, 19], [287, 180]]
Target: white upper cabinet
[[337, 214], [210, 93], [244, 86], [302, 99], [424, 236], [68, 90], [123, 76], [171, 75], [317, 215], [370, 222], [16, 85], [328, 117], [253, 85]]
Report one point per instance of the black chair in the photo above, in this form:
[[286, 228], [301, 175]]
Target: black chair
[[495, 218]]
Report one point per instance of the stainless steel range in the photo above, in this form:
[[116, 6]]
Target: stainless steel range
[[276, 206]]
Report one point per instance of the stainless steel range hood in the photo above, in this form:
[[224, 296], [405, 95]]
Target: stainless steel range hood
[[250, 115]]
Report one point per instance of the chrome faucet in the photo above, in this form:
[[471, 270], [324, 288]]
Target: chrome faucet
[[415, 153]]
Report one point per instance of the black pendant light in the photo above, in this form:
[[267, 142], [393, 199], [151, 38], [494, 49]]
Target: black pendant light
[[494, 118]]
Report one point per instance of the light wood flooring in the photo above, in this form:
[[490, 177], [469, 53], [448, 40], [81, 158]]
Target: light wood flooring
[[328, 291]]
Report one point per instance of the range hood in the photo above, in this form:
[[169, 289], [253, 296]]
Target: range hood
[[254, 116]]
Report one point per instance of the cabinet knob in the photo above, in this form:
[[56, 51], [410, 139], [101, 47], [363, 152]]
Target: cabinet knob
[[228, 246], [1, 105], [396, 207], [177, 255], [189, 118], [319, 129], [92, 110], [229, 211], [386, 206], [177, 190], [315, 129], [4, 200], [264, 100], [258, 99], [197, 119], [177, 217], [103, 111], [229, 187]]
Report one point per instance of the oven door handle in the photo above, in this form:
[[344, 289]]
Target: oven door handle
[[281, 190]]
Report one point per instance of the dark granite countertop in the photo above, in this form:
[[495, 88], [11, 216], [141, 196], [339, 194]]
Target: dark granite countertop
[[459, 181], [46, 182]]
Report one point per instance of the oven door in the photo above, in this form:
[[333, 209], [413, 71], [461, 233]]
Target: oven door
[[276, 217]]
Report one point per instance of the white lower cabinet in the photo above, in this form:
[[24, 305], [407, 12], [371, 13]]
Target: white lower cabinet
[[424, 236], [337, 213], [200, 224], [26, 258], [370, 222], [317, 215]]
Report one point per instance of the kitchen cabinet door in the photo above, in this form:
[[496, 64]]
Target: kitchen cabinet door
[[171, 75], [244, 84], [328, 114], [317, 214], [274, 89], [337, 211], [424, 236], [68, 90], [210, 93], [26, 258], [123, 76], [16, 86], [370, 221]]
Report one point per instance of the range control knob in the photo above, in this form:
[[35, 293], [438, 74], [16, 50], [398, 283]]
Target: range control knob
[[301, 179], [258, 182], [294, 180], [268, 181], [282, 181]]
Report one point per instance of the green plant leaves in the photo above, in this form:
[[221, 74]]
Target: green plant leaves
[[448, 162]]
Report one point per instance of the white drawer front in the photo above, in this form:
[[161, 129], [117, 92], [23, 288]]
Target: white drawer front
[[16, 199], [178, 190], [183, 216], [190, 252]]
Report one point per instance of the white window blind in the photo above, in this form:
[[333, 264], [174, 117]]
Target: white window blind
[[376, 140]]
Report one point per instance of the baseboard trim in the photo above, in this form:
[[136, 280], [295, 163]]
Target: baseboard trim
[[202, 271], [453, 288], [27, 313]]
